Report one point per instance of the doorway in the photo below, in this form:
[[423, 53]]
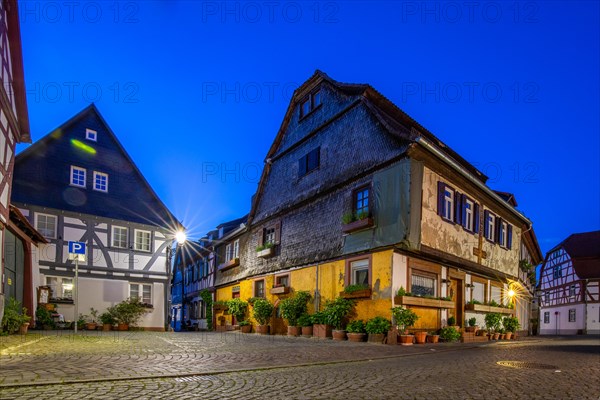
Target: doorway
[[457, 295]]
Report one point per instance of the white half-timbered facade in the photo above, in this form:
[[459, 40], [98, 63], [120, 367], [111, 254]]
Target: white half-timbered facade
[[570, 287], [81, 185]]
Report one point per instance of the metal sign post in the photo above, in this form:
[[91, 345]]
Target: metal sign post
[[76, 252]]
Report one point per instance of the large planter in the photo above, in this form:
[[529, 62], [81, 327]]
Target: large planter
[[246, 328], [262, 329], [420, 337], [357, 225], [294, 330], [470, 328], [483, 308], [359, 294], [307, 331], [433, 338], [321, 330], [338, 334], [406, 340], [123, 327], [356, 337], [106, 327], [392, 336], [376, 337]]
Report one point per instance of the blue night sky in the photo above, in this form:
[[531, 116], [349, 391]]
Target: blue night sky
[[197, 90]]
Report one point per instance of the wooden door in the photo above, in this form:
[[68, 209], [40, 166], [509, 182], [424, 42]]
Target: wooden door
[[235, 295], [457, 295]]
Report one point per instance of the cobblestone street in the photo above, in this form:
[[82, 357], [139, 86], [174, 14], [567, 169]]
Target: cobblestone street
[[216, 366]]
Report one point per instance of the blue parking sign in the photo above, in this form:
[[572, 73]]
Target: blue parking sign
[[77, 248]]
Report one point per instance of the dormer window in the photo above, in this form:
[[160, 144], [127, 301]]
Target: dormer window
[[91, 134], [310, 103]]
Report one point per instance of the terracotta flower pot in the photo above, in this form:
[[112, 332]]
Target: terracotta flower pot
[[23, 328], [106, 327], [356, 337], [376, 337], [123, 327], [321, 330], [420, 337], [496, 336], [307, 331], [262, 329], [470, 328], [339, 334], [294, 330], [508, 335], [406, 340], [246, 328], [90, 326], [433, 338]]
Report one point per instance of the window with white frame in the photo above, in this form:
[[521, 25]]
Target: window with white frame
[[142, 240], [547, 298], [547, 317], [503, 234], [478, 292], [61, 287], [77, 176], [119, 237], [557, 271], [572, 291], [490, 226], [232, 250], [496, 294], [141, 292], [448, 212], [359, 272], [100, 181], [469, 220], [46, 225], [91, 134], [572, 312]]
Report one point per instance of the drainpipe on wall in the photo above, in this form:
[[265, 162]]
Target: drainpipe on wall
[[585, 304]]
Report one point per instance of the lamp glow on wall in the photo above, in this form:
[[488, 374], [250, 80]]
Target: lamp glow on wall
[[180, 237]]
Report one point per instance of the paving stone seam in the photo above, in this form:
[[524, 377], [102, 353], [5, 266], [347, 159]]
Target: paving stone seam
[[228, 371]]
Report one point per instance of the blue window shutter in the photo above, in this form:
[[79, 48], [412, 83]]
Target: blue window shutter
[[457, 207], [509, 237], [486, 223], [476, 218], [463, 209], [441, 190], [497, 228]]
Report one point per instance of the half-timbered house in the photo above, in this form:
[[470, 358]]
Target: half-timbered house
[[570, 286], [79, 184], [14, 128], [355, 192]]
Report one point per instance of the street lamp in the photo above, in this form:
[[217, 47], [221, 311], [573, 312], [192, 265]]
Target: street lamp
[[180, 237]]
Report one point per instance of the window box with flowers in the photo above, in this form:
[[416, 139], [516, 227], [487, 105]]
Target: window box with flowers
[[408, 299], [356, 292], [266, 250], [234, 262], [280, 289], [488, 308], [352, 222]]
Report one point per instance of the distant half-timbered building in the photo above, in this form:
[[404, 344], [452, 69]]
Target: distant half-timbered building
[[14, 128], [570, 287], [79, 184]]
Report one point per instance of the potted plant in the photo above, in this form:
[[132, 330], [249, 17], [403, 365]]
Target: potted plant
[[404, 318], [262, 312], [306, 323], [237, 307], [44, 318], [452, 321], [337, 311], [432, 337], [321, 328], [107, 319], [511, 324], [245, 326], [128, 313], [492, 323], [377, 328], [472, 325], [293, 308], [90, 325], [356, 331], [15, 317], [449, 334], [81, 321]]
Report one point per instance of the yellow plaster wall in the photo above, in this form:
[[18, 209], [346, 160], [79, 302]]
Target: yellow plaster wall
[[453, 239]]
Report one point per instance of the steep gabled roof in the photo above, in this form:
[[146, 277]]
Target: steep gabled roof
[[584, 251], [396, 122], [507, 197], [131, 198]]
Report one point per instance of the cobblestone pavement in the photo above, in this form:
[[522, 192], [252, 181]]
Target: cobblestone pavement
[[554, 368]]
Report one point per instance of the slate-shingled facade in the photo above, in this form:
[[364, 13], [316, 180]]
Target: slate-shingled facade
[[341, 147]]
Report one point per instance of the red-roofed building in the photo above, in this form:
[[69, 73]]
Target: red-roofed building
[[570, 286]]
